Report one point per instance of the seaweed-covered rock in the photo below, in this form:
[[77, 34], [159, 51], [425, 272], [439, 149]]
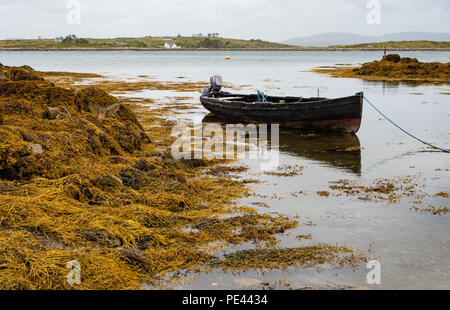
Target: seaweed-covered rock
[[102, 112], [408, 60], [39, 92], [28, 68], [18, 106], [405, 68], [90, 123], [134, 178], [20, 74], [101, 142], [56, 113], [144, 165], [97, 101], [12, 149], [392, 58], [93, 96], [80, 188]]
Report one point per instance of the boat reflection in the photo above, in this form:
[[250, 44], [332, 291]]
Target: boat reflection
[[338, 150], [341, 151]]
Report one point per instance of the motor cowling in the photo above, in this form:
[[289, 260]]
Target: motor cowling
[[215, 85]]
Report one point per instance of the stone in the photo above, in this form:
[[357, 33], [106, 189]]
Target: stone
[[109, 180], [36, 148], [27, 137], [55, 113], [248, 282], [102, 112]]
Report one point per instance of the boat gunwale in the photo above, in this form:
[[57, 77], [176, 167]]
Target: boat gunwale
[[277, 105]]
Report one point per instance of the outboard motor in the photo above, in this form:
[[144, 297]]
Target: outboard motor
[[215, 85]]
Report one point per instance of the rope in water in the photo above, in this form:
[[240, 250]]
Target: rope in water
[[393, 123]]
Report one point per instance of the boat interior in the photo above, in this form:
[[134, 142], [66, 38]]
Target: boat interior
[[270, 99]]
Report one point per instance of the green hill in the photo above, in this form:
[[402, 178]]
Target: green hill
[[199, 43], [145, 42], [398, 44]]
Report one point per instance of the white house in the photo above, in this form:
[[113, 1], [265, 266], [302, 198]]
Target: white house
[[59, 39], [170, 45]]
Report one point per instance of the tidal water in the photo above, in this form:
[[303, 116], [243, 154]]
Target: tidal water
[[412, 247]]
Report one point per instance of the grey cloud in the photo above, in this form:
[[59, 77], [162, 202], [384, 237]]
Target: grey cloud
[[266, 19]]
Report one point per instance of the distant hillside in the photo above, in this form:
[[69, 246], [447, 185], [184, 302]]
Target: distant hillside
[[145, 42], [190, 43], [344, 38], [398, 44]]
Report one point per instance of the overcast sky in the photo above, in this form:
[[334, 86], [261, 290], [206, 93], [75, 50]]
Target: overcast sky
[[273, 20]]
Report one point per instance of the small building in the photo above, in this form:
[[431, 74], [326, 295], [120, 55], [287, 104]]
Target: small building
[[59, 39], [122, 43], [167, 38], [170, 45]]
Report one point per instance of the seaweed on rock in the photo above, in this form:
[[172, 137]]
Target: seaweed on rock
[[84, 181]]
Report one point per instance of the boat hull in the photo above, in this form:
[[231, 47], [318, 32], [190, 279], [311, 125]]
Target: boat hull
[[341, 114]]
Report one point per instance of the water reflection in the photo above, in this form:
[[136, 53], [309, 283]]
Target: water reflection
[[342, 151], [395, 85]]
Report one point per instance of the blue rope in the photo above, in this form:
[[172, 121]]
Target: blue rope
[[260, 97], [392, 122]]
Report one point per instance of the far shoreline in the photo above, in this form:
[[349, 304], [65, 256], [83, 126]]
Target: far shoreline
[[224, 49]]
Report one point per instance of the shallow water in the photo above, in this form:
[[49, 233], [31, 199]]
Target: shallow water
[[412, 247]]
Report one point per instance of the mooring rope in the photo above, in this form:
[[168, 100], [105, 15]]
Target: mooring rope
[[393, 123]]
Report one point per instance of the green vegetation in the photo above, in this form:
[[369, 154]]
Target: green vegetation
[[398, 44], [146, 42], [72, 42], [72, 39]]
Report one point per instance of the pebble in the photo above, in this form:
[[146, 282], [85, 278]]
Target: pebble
[[36, 148]]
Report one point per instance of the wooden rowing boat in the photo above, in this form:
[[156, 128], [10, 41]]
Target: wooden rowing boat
[[316, 113]]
